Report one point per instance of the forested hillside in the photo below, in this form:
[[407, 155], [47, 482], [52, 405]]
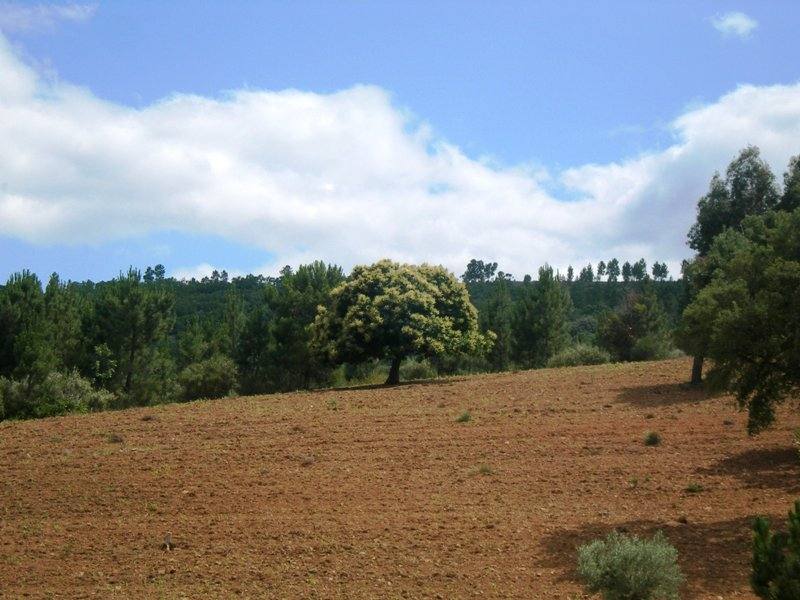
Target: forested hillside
[[145, 338]]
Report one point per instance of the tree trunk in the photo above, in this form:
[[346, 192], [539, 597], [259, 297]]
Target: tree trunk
[[394, 372], [129, 373], [697, 371]]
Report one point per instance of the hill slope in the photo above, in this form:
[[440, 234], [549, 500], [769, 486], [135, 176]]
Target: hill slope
[[381, 493]]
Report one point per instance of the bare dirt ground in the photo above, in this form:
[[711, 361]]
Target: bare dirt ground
[[381, 493]]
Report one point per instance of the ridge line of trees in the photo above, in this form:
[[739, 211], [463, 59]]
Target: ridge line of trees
[[144, 338]]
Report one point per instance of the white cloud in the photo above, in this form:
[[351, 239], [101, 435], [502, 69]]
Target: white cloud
[[348, 177], [735, 23], [36, 17], [200, 271]]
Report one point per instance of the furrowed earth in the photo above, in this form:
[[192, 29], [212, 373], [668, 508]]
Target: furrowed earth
[[382, 493]]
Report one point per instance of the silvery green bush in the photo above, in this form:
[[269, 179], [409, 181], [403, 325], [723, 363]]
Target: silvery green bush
[[622, 567]]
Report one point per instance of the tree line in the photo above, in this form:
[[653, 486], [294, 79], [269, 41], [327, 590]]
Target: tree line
[[479, 271], [144, 338]]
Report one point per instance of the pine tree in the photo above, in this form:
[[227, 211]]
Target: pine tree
[[776, 559], [540, 319], [612, 268], [131, 319], [497, 317], [601, 270]]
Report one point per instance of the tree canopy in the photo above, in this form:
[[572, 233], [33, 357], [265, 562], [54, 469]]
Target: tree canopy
[[541, 319], [391, 310], [748, 189], [637, 330], [479, 271], [746, 315]]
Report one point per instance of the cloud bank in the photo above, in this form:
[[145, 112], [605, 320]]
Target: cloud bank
[[348, 177], [735, 24]]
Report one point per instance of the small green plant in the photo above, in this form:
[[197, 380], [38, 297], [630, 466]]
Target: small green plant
[[651, 438], [464, 417], [622, 567], [776, 559], [332, 405], [694, 488]]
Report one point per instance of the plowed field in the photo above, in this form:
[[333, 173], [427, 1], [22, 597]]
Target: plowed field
[[381, 493]]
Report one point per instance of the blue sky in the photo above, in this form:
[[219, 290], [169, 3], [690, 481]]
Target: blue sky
[[550, 113]]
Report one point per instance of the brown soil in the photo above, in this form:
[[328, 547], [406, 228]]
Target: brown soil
[[381, 493]]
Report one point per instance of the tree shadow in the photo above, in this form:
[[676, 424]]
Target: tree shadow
[[772, 468], [663, 394], [385, 386], [714, 557]]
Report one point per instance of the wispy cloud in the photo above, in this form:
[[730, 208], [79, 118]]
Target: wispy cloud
[[735, 24], [15, 17]]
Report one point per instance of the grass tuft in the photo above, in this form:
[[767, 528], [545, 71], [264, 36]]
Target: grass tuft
[[464, 417]]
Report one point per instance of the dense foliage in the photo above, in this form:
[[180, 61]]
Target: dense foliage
[[637, 330], [392, 311], [541, 319], [776, 559], [579, 354], [274, 350], [147, 339], [746, 315], [742, 286], [748, 189]]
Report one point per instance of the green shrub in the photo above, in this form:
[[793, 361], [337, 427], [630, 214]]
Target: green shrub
[[464, 417], [16, 404], [652, 347], [57, 394], [776, 559], [628, 568], [371, 372], [62, 393], [579, 354], [583, 329], [639, 321], [460, 364], [417, 369], [651, 438], [214, 377]]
